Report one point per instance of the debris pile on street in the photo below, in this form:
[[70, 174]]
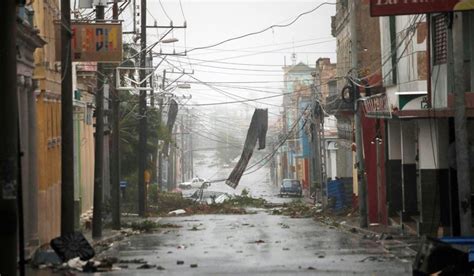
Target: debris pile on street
[[296, 209], [149, 226], [173, 204], [46, 258]]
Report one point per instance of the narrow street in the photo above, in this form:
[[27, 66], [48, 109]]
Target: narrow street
[[256, 244], [251, 244]]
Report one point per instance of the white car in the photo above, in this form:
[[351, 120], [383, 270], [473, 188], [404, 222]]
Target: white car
[[196, 182]]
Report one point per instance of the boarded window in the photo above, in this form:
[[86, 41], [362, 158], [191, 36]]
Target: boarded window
[[440, 39]]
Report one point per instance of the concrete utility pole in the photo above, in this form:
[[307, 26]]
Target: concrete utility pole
[[8, 143], [67, 130], [182, 148], [363, 221], [115, 148], [142, 135], [99, 141], [462, 146], [160, 155]]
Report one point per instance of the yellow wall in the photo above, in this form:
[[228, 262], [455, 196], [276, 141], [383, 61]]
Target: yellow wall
[[47, 73]]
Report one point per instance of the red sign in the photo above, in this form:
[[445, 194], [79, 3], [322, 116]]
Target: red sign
[[399, 7]]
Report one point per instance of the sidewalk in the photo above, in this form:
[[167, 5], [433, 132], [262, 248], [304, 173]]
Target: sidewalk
[[391, 237], [400, 243]]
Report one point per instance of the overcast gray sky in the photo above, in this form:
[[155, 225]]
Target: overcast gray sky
[[263, 55]]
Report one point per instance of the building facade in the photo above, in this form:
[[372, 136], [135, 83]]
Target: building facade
[[48, 105]]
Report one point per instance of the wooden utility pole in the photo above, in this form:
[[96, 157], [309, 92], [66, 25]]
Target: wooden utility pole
[[142, 132], [462, 146], [115, 147], [67, 130], [9, 142], [363, 221], [99, 142]]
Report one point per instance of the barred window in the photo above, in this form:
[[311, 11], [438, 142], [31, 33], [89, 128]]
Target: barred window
[[440, 39]]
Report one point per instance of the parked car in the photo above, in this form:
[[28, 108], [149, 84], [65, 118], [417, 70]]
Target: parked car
[[196, 182], [291, 187]]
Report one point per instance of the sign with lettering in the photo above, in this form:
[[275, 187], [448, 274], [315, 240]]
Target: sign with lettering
[[97, 42], [399, 7], [377, 106]]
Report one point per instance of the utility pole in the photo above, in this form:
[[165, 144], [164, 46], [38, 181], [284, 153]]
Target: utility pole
[[115, 148], [182, 149], [363, 221], [99, 141], [8, 143], [462, 146], [160, 155], [142, 135], [67, 131]]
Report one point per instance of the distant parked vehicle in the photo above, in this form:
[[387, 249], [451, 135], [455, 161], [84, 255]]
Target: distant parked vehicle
[[291, 187], [196, 182]]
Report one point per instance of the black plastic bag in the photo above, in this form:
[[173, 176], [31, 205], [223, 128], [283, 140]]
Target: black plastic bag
[[71, 246]]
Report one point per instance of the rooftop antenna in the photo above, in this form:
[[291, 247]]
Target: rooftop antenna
[[293, 58], [293, 55]]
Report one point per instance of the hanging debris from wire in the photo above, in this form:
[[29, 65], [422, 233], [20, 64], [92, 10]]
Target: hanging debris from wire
[[172, 114], [257, 131]]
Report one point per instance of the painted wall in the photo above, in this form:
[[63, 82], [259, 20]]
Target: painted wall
[[48, 100], [375, 173]]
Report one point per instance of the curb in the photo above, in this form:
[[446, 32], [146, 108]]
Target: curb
[[348, 227]]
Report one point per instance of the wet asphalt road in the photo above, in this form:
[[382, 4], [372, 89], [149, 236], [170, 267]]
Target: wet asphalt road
[[258, 244], [254, 244]]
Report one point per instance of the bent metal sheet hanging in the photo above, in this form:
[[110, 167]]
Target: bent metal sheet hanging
[[400, 7]]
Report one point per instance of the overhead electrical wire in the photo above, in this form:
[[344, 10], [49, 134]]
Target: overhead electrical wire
[[263, 30]]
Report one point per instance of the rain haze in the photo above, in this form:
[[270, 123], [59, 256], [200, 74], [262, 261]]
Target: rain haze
[[222, 73], [236, 137]]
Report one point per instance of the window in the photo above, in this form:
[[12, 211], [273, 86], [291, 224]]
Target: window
[[440, 40]]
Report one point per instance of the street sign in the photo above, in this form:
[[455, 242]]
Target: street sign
[[98, 42], [123, 184], [400, 7]]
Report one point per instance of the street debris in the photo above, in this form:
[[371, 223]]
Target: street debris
[[86, 219], [76, 263], [296, 209], [133, 261], [72, 245], [173, 204], [149, 226], [259, 241], [177, 212], [195, 228], [283, 225], [45, 257], [146, 266]]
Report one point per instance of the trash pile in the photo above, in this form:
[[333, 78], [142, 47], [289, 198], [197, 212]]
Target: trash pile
[[86, 219], [71, 252]]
